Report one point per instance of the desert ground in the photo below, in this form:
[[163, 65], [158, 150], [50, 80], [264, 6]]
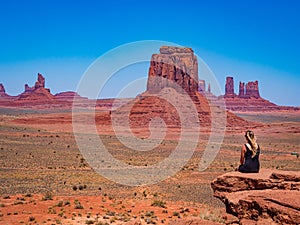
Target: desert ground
[[44, 179]]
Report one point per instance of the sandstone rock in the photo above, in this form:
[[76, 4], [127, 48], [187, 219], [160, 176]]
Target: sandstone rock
[[229, 88], [37, 92], [2, 91], [174, 67], [40, 83], [268, 195], [252, 90], [242, 90], [201, 86], [248, 98]]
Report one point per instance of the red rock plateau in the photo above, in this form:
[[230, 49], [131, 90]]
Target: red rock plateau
[[270, 196], [249, 98]]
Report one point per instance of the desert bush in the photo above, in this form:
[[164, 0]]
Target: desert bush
[[89, 222], [59, 204], [67, 202], [48, 196], [78, 205], [31, 218], [159, 203], [176, 214]]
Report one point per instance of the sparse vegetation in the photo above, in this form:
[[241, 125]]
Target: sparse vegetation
[[48, 196], [159, 203]]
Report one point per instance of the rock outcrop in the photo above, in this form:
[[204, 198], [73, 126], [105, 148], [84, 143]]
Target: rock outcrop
[[270, 195], [171, 73], [36, 93], [229, 88], [249, 91], [252, 90], [242, 90], [174, 65], [40, 83], [2, 91], [201, 86], [248, 98]]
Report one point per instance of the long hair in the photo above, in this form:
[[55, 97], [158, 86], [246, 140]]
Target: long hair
[[252, 142]]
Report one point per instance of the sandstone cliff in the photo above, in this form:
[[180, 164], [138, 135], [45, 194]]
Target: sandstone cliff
[[267, 197], [173, 66]]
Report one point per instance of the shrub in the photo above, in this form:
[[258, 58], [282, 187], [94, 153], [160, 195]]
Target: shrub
[[78, 205], [159, 203], [48, 196], [31, 218]]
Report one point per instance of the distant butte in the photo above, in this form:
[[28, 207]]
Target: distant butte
[[249, 98], [36, 93], [173, 68]]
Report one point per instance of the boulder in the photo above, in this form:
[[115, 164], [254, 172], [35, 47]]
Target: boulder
[[270, 195]]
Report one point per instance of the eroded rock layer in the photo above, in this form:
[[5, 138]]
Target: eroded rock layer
[[269, 194]]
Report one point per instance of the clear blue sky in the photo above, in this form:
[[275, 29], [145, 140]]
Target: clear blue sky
[[249, 39]]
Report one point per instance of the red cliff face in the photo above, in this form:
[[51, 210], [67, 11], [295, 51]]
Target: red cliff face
[[173, 65], [229, 87]]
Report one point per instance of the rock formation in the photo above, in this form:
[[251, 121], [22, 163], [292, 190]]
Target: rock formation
[[174, 65], [242, 90], [173, 70], [40, 83], [2, 91], [201, 86], [37, 92], [252, 90], [229, 88], [268, 196], [248, 98]]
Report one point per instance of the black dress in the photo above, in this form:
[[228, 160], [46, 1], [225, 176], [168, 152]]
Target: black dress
[[251, 165]]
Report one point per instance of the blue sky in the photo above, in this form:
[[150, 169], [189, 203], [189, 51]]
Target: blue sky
[[249, 39]]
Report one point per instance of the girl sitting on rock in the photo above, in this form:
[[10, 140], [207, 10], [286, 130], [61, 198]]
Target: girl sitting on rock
[[250, 154]]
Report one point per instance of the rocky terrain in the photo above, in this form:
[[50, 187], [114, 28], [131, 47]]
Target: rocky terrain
[[268, 196]]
